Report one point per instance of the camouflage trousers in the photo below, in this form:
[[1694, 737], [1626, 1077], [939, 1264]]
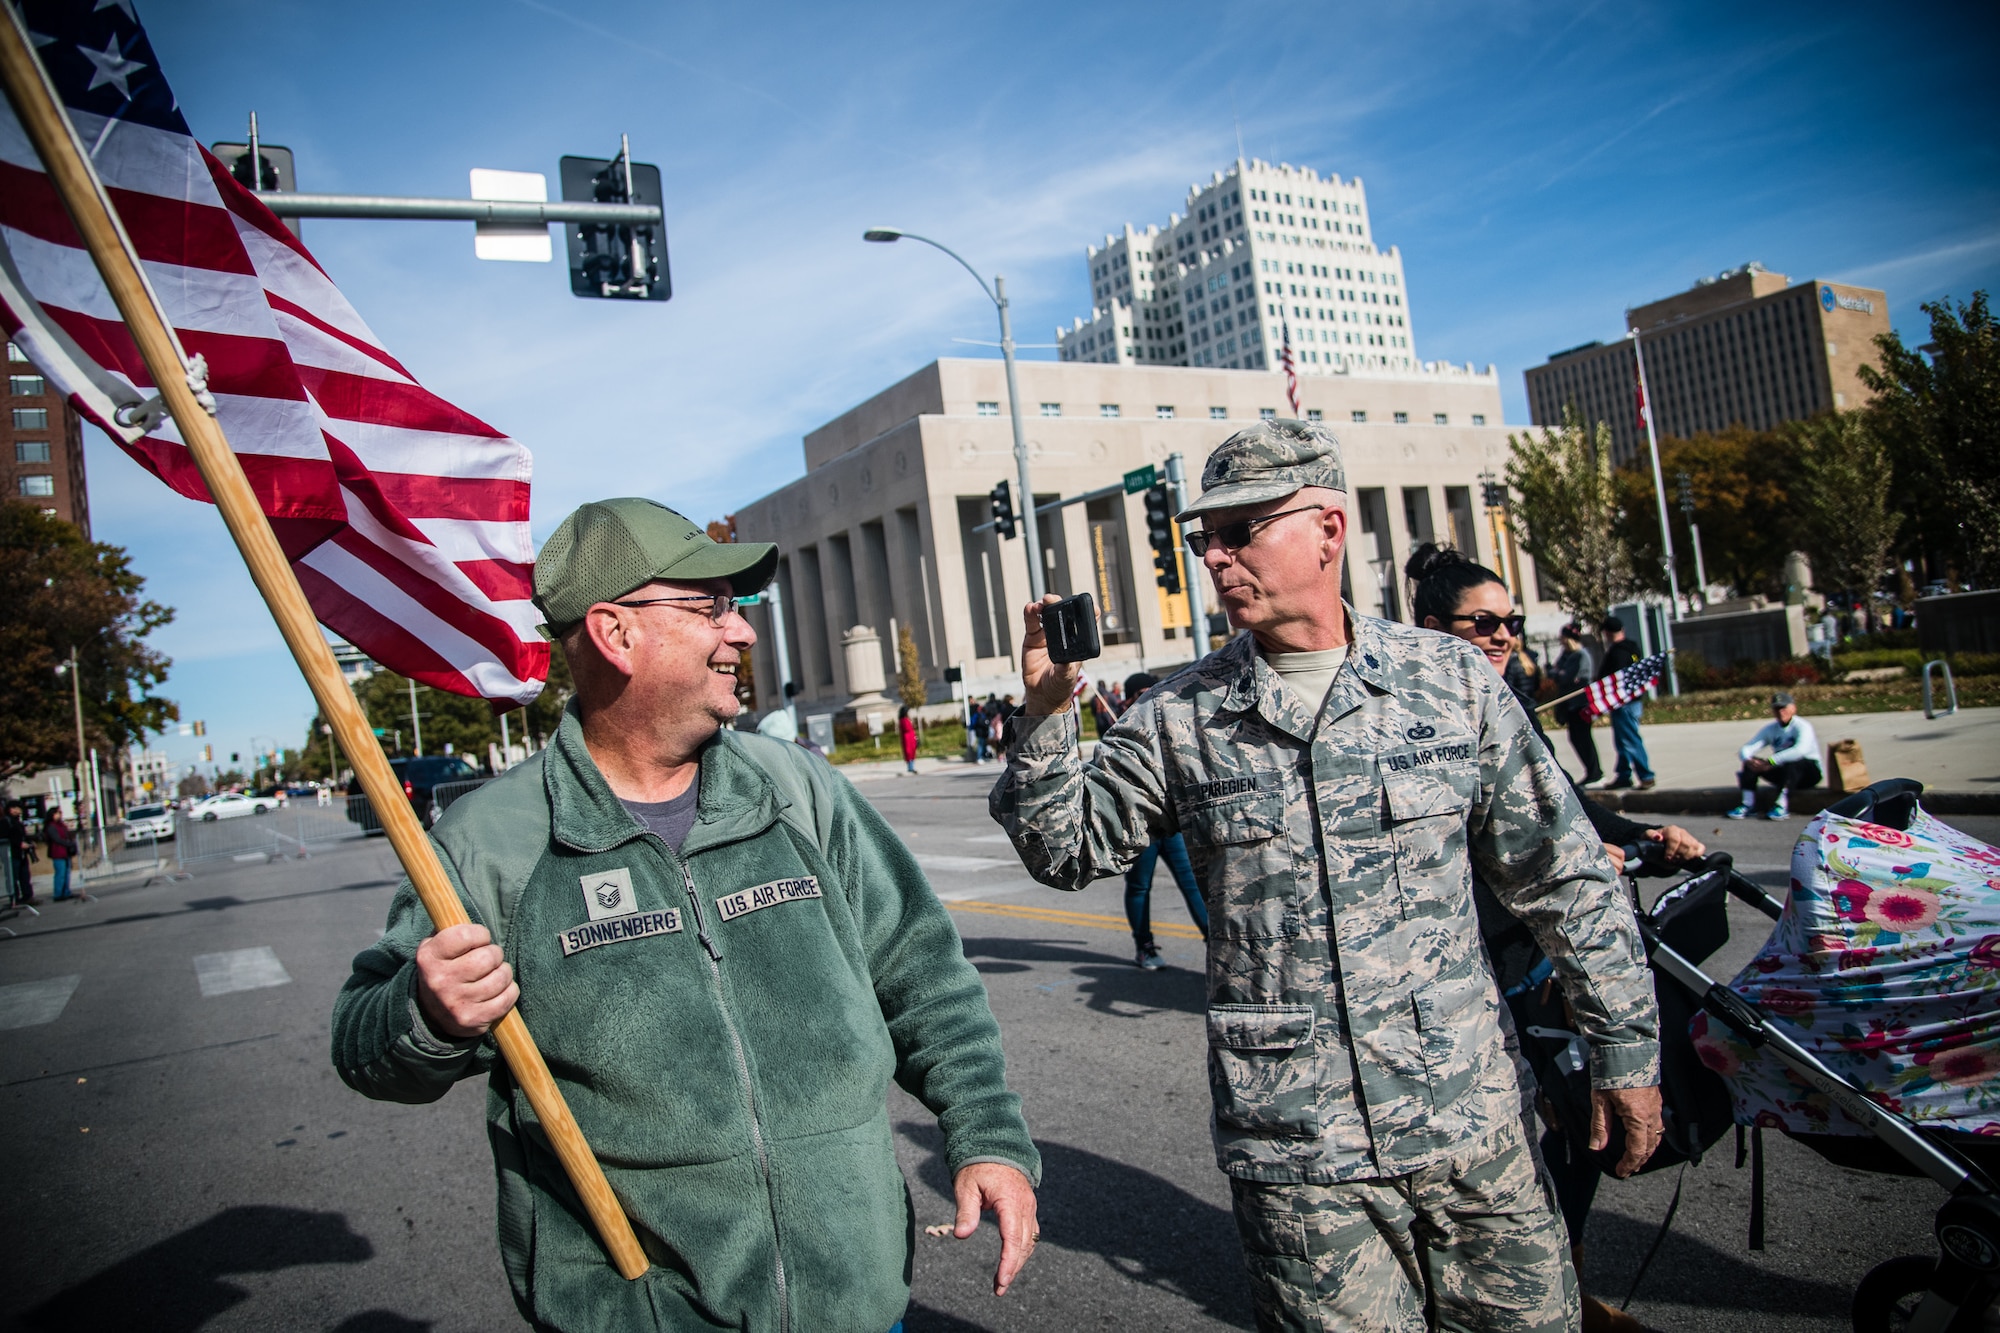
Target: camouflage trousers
[[1472, 1243]]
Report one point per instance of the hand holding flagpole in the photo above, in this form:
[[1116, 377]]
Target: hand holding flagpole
[[69, 168]]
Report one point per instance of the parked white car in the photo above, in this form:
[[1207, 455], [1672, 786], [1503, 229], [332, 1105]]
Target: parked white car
[[230, 804], [143, 823]]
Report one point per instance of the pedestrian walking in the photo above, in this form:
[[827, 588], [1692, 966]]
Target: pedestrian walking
[[1792, 762], [61, 843], [726, 956], [1139, 879], [906, 731], [1634, 768], [1336, 776], [1571, 672]]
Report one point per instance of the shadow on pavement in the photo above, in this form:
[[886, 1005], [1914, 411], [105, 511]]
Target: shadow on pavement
[[381, 1321], [922, 1319], [1148, 1229], [179, 1283], [1103, 982], [1692, 1273]]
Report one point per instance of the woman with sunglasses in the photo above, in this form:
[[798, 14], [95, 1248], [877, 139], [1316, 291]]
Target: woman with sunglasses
[[1469, 601]]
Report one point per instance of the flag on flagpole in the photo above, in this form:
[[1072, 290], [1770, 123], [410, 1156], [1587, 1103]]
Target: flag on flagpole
[[1291, 371], [404, 517], [1623, 686], [1639, 393]]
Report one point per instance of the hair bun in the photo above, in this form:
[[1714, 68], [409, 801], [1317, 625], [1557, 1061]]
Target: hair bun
[[1429, 558]]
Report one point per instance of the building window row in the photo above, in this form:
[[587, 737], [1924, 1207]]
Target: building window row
[[26, 386], [38, 484], [31, 451]]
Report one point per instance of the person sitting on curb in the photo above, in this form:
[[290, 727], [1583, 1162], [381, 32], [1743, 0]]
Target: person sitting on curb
[[1794, 761]]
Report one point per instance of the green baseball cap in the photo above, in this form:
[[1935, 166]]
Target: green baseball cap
[[609, 547], [1268, 461]]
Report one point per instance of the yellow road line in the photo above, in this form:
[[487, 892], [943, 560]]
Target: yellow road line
[[1064, 917]]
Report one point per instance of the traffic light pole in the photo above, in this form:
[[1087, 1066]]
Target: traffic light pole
[[291, 205], [1193, 569], [1031, 528]]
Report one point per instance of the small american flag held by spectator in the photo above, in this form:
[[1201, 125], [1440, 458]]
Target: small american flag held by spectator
[[1622, 687]]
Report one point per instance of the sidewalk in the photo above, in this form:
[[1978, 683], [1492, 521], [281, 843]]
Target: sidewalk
[[1956, 757]]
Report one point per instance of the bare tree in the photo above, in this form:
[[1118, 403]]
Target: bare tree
[[1840, 503], [1566, 512]]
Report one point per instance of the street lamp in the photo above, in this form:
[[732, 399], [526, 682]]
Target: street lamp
[[997, 294]]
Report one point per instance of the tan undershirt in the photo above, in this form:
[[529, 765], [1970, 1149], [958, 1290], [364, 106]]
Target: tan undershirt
[[1309, 675]]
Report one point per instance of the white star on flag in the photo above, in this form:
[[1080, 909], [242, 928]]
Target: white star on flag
[[124, 5], [112, 67]]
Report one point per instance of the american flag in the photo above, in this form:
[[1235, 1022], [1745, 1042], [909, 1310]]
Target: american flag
[[404, 517], [1623, 686], [1639, 392], [1291, 371]]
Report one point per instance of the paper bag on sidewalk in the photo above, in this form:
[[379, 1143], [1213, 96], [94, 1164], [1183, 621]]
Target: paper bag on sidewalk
[[1846, 770]]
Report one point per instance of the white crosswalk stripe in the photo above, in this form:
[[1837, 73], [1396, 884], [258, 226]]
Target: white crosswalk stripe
[[28, 1004], [239, 969]]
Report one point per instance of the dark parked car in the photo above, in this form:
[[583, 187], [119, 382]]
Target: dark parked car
[[421, 780]]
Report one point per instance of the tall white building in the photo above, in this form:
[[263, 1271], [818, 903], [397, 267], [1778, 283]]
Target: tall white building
[[1260, 250]]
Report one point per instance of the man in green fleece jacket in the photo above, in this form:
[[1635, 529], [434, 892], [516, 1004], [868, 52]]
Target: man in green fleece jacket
[[724, 954]]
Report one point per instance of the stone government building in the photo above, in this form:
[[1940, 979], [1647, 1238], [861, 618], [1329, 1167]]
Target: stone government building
[[879, 530]]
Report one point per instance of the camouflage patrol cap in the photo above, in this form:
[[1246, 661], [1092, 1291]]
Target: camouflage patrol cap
[[609, 547], [1268, 461]]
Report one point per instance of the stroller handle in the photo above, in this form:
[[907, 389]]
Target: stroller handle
[[1752, 1026]]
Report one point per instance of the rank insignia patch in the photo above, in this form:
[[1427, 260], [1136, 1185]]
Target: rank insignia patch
[[608, 893]]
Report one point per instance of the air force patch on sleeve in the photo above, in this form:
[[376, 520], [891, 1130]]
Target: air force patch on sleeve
[[608, 893]]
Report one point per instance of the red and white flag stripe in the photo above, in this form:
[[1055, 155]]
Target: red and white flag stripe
[[406, 518]]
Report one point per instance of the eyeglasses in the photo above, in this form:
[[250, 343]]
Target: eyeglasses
[[1235, 536], [1484, 623], [717, 605]]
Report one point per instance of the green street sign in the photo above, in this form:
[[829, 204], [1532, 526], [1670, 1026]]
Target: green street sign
[[1141, 479]]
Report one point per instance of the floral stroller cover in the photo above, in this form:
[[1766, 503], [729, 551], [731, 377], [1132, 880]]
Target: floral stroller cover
[[1886, 965]]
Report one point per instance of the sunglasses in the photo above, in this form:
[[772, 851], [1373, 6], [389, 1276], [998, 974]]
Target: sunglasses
[[715, 605], [1485, 623], [1235, 536]]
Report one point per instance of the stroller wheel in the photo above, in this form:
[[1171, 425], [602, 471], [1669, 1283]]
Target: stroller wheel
[[1887, 1299]]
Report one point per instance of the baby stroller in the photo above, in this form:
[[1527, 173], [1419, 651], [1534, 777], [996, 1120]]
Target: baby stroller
[[1868, 1027]]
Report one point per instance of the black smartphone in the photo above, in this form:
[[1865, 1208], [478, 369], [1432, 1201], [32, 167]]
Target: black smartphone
[[1071, 627]]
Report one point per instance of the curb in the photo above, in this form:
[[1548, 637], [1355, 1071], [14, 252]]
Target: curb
[[1812, 800]]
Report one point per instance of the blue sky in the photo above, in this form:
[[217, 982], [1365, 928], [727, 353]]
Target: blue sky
[[1542, 166]]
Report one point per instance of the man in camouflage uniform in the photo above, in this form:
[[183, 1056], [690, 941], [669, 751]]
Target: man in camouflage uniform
[[1336, 777]]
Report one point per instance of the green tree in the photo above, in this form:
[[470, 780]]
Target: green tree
[[1566, 512], [910, 685], [468, 725], [1739, 479], [63, 592], [1937, 409], [1841, 515]]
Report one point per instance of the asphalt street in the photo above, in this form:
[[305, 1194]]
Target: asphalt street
[[181, 1155]]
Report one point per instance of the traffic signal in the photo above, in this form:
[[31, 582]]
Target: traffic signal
[[1160, 536], [618, 260], [1002, 500], [1494, 494]]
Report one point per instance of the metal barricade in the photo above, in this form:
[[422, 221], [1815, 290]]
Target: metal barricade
[[362, 814], [291, 830], [445, 793]]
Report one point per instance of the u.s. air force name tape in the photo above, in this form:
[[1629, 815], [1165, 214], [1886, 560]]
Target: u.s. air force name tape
[[745, 901], [631, 926]]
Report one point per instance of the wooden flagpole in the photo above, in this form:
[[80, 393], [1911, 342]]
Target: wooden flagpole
[[1542, 708], [69, 169]]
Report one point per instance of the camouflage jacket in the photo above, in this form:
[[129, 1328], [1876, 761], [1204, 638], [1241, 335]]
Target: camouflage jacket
[[1353, 1021]]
